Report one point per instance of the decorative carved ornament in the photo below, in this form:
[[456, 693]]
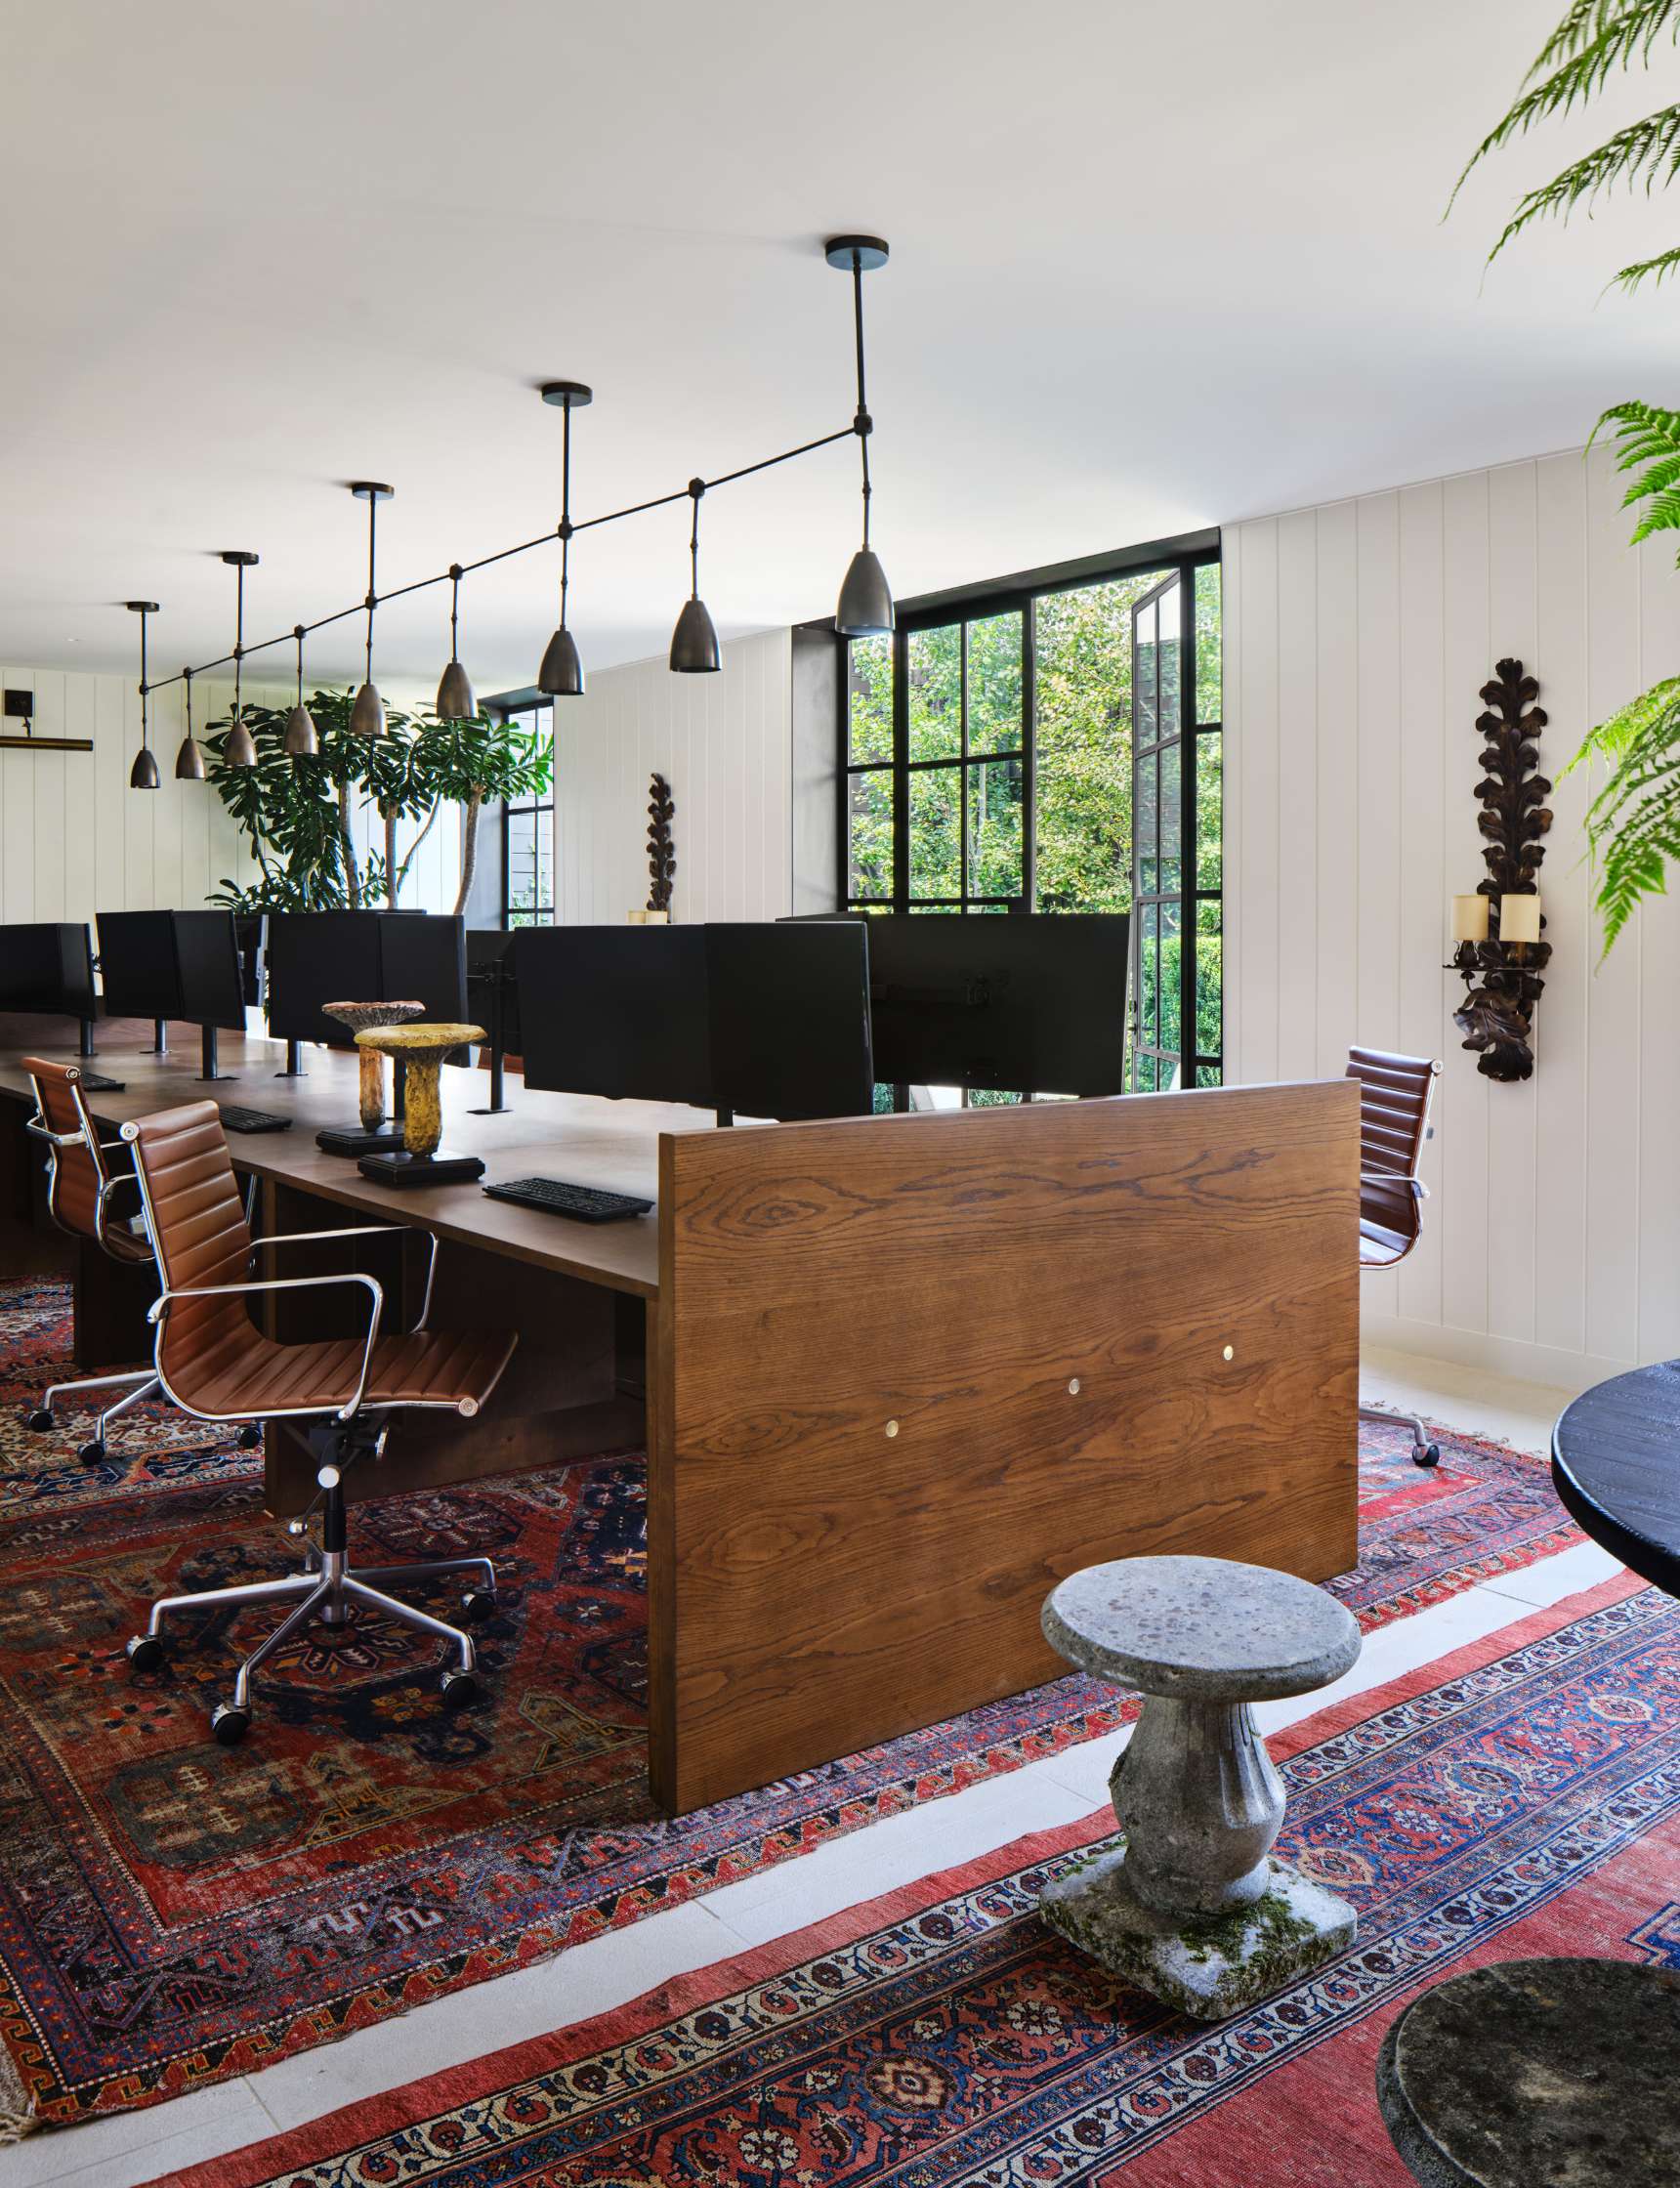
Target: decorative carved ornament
[[1504, 979], [661, 857]]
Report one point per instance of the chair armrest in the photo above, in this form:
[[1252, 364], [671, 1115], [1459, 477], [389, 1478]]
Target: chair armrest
[[37, 1126], [366, 1231], [162, 1304], [1416, 1187]]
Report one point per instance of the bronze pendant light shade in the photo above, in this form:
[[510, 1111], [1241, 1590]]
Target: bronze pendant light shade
[[368, 715], [694, 641], [300, 739], [143, 775], [561, 675], [240, 750], [455, 701], [866, 609], [188, 758]]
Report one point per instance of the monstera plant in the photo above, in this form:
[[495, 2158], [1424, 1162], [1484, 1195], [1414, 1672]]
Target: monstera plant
[[1633, 823]]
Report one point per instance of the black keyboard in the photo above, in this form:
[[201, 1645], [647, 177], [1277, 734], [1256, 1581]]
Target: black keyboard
[[582, 1202], [95, 1082], [237, 1119]]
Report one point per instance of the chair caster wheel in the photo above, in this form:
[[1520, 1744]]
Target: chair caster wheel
[[478, 1604], [229, 1723], [144, 1653], [41, 1418], [1428, 1455], [458, 1688], [250, 1436], [92, 1454]]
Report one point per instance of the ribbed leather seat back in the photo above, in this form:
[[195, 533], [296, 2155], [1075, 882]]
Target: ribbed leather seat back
[[1394, 1113], [74, 1196], [199, 1229]]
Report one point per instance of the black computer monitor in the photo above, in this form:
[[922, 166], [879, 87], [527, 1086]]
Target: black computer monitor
[[764, 1020], [47, 970], [175, 964], [319, 957], [1014, 1003]]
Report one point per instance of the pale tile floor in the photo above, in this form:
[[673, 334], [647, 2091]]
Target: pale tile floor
[[140, 2146]]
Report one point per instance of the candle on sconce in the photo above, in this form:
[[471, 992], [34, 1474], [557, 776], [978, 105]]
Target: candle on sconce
[[1520, 917], [1470, 918]]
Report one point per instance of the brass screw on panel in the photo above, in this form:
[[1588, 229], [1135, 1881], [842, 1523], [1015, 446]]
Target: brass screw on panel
[[1230, 1352], [892, 1428], [1073, 1388]]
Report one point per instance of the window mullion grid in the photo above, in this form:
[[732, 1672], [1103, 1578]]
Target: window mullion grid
[[1028, 753]]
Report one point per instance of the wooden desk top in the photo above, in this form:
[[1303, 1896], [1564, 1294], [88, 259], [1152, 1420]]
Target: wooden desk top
[[613, 1145]]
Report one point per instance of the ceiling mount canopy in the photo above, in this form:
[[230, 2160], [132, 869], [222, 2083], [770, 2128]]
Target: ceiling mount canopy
[[865, 606], [143, 775]]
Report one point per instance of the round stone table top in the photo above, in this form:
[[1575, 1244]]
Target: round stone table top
[[1200, 1628], [1532, 2071], [422, 1040], [358, 1016]]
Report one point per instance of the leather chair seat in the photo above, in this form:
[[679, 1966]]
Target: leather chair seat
[[456, 1369], [1379, 1246], [125, 1243]]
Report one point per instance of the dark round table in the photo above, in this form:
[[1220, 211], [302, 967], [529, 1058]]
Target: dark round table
[[1616, 1463], [1537, 2071]]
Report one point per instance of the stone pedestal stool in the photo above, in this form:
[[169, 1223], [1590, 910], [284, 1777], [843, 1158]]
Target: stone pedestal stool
[[369, 1018], [421, 1048], [1192, 1907]]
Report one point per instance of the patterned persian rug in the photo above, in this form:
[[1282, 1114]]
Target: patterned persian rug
[[173, 1913], [1519, 1798]]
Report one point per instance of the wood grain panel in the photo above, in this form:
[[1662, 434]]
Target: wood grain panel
[[831, 1583]]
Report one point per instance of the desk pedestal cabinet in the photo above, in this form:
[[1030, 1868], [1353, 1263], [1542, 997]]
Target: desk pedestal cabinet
[[903, 1373]]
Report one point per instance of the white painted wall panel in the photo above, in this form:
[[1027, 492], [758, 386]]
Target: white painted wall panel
[[722, 742], [1357, 639]]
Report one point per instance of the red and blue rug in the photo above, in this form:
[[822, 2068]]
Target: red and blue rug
[[173, 1913], [1521, 1797]]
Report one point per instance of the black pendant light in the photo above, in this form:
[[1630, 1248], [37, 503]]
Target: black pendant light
[[143, 775], [300, 739], [694, 641], [561, 672], [368, 715], [189, 759], [240, 750], [866, 609], [455, 701]]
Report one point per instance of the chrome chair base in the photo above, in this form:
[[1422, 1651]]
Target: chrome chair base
[[1423, 1452], [146, 1385], [324, 1592]]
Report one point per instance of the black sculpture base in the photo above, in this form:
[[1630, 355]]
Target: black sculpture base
[[405, 1169], [353, 1139]]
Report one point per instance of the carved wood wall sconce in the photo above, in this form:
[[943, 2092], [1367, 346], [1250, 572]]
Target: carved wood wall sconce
[[1497, 931], [661, 856]]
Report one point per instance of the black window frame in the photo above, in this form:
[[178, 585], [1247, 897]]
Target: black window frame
[[1178, 557], [533, 707]]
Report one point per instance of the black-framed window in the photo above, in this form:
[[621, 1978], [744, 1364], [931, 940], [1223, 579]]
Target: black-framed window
[[527, 837], [994, 750]]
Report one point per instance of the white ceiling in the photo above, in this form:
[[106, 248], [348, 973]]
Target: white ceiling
[[1153, 268]]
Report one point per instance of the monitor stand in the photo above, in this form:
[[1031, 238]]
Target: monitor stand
[[85, 1037], [159, 1037], [498, 1052], [294, 1062], [208, 1074], [725, 1119]]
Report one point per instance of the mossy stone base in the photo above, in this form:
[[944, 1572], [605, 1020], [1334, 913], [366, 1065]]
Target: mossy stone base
[[1207, 1966]]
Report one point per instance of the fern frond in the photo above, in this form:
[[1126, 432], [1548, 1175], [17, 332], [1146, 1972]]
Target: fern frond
[[1643, 148], [1595, 38], [1655, 269], [1633, 823]]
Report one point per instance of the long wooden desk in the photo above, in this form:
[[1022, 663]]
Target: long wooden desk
[[902, 1374]]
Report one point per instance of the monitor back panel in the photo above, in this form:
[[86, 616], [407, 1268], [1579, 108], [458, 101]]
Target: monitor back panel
[[139, 972], [212, 977], [790, 1020], [619, 1011], [317, 957], [46, 966], [424, 957]]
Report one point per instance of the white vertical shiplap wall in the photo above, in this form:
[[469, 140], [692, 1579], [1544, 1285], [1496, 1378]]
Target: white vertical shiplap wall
[[722, 742], [1356, 638], [75, 840]]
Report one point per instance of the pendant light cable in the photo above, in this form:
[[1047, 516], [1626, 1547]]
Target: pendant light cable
[[862, 425]]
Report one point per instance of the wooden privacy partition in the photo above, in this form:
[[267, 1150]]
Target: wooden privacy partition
[[906, 1372]]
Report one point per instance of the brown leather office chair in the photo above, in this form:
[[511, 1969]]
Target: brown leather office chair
[[214, 1363], [87, 1199], [1395, 1094]]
